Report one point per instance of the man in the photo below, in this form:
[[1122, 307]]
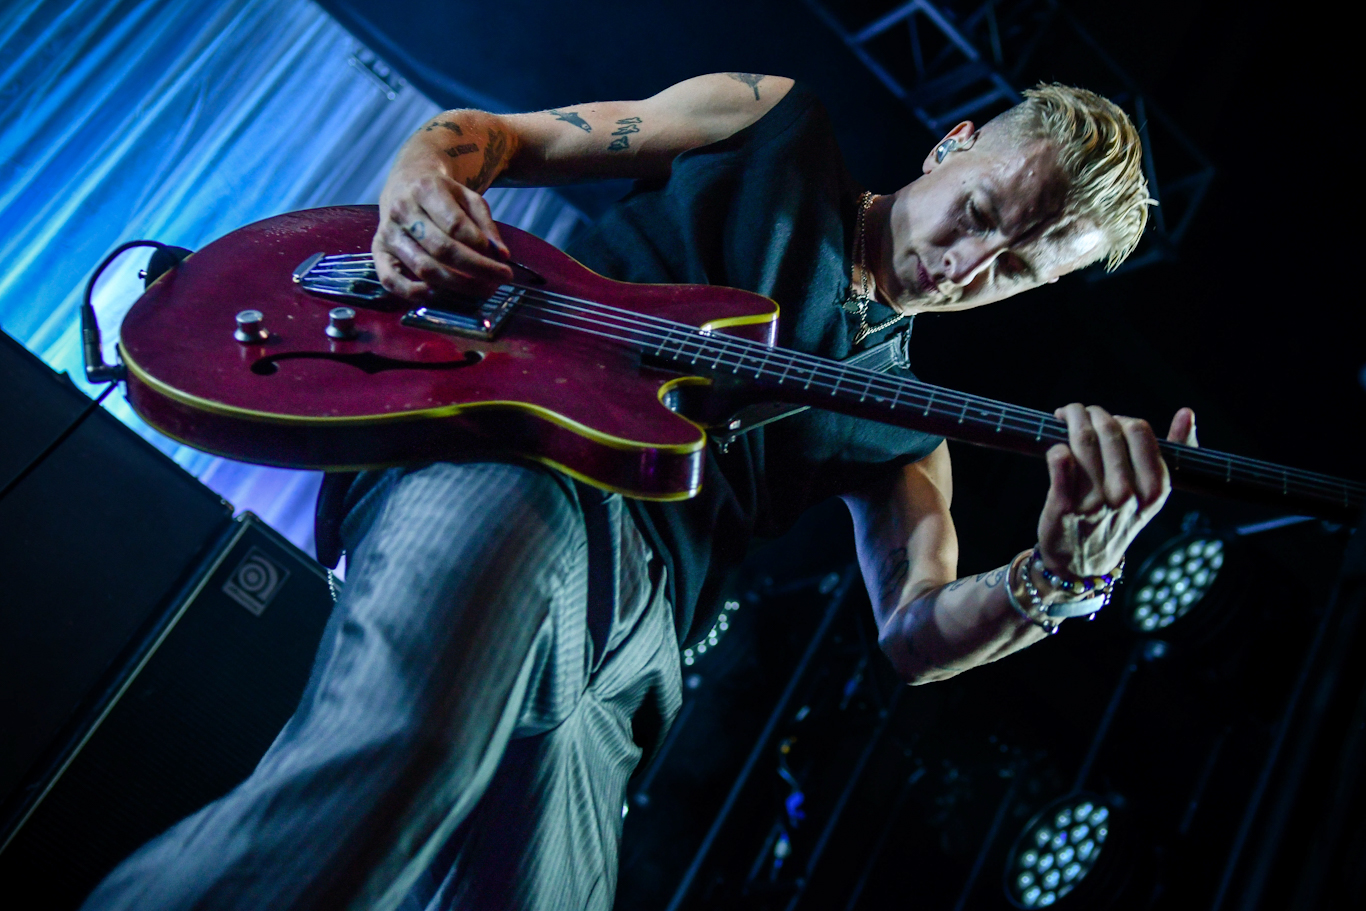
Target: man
[[507, 643]]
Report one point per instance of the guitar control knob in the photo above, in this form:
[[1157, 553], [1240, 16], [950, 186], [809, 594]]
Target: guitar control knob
[[341, 323], [249, 328]]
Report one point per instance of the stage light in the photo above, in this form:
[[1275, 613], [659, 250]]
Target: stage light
[[1173, 581], [1056, 850], [708, 642]]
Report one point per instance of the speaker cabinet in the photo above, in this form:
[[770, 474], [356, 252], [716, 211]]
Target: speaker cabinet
[[189, 717]]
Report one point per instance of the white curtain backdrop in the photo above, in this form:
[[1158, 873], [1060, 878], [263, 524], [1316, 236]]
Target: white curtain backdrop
[[180, 122]]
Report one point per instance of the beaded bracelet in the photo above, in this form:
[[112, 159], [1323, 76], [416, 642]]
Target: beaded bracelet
[[1103, 584]]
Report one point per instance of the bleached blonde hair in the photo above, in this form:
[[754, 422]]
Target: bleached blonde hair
[[1101, 156]]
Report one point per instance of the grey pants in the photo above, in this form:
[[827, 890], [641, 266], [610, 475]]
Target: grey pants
[[467, 734]]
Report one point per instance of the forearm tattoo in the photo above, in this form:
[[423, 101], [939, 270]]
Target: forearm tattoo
[[572, 118], [445, 125], [462, 149], [494, 151], [990, 579], [625, 127], [750, 79]]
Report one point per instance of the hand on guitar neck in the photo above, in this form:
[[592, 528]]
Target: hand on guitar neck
[[1105, 484]]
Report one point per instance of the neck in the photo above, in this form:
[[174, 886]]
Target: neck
[[879, 253]]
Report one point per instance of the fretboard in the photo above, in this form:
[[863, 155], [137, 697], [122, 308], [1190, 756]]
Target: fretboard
[[802, 379]]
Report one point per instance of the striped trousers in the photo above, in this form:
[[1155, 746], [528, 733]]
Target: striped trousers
[[467, 733]]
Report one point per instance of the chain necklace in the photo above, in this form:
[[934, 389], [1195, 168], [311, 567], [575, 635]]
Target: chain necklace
[[858, 303]]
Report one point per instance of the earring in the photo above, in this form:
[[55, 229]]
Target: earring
[[944, 148]]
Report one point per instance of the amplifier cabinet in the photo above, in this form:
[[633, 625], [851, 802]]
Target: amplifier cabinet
[[188, 719]]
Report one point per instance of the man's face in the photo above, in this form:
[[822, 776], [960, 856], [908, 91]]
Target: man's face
[[982, 225]]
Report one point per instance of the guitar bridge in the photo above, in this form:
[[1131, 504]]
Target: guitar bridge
[[482, 321]]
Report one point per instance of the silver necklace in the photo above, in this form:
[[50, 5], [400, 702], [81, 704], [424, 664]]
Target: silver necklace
[[858, 303]]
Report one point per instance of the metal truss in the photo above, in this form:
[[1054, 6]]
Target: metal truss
[[951, 61]]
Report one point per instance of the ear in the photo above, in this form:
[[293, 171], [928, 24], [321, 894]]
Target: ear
[[965, 134]]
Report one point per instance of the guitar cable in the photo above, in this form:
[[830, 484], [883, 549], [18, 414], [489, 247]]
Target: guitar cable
[[96, 370]]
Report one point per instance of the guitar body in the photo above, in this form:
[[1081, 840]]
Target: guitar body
[[397, 393]]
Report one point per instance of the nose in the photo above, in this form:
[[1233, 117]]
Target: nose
[[969, 257]]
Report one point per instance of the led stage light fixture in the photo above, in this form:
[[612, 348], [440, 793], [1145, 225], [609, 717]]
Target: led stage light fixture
[[1173, 581], [1057, 849]]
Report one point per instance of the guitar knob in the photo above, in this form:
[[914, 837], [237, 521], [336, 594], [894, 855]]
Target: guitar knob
[[341, 323], [249, 329]]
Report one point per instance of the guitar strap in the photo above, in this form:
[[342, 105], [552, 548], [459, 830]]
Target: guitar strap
[[894, 352]]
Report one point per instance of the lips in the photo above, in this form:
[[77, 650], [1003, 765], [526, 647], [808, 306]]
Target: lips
[[923, 277]]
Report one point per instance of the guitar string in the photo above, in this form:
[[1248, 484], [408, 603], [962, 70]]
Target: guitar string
[[817, 369], [963, 405], [1325, 486]]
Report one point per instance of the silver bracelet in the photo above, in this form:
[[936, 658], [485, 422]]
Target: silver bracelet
[[1037, 613]]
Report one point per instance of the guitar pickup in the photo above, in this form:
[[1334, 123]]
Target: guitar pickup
[[480, 322], [344, 276]]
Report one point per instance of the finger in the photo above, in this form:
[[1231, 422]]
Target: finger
[[465, 253], [1114, 452], [459, 249], [1152, 481], [395, 282], [1183, 428], [417, 260], [1085, 446], [478, 209], [1063, 472], [391, 276]]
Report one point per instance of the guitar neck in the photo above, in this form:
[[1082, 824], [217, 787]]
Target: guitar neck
[[803, 379]]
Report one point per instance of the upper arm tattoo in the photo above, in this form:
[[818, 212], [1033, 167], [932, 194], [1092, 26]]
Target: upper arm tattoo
[[626, 126], [893, 573], [572, 118], [750, 79]]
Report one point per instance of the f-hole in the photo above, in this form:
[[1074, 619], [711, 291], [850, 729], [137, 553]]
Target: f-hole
[[365, 361]]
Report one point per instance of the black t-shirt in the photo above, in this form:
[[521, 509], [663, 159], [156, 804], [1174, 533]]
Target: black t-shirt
[[770, 209]]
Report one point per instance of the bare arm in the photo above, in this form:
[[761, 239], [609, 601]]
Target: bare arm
[[932, 625], [1104, 486], [434, 221]]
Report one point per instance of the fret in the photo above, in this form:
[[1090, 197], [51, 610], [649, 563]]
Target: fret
[[835, 388], [929, 401], [866, 387], [964, 412], [895, 395], [758, 371], [1285, 482], [1228, 470], [1000, 420], [1038, 434], [810, 375], [790, 361]]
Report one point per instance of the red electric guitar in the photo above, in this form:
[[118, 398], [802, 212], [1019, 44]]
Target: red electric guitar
[[277, 345]]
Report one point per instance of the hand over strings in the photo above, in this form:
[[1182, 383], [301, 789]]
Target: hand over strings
[[1105, 484]]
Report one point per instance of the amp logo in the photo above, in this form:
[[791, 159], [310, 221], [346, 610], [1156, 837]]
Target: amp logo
[[256, 581]]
